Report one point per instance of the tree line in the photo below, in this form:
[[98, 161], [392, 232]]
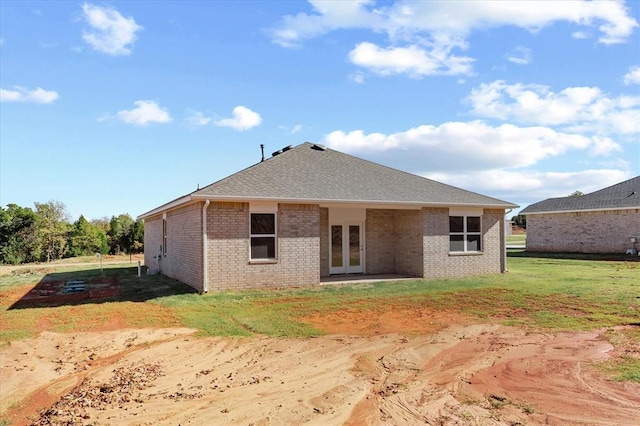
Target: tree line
[[46, 233]]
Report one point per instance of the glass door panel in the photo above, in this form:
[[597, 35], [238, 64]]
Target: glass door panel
[[354, 248], [354, 245], [336, 246], [346, 249]]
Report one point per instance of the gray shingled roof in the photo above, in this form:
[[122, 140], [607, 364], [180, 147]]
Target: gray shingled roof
[[310, 174], [307, 173], [623, 195]]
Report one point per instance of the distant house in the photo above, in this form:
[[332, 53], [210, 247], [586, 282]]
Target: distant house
[[310, 212], [600, 222]]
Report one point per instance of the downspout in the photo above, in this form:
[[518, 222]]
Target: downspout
[[504, 241], [205, 258]]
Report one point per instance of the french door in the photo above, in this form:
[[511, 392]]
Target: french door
[[346, 248]]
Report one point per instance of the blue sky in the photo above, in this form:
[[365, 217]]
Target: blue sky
[[118, 107]]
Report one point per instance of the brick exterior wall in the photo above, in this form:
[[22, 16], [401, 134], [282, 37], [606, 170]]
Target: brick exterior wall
[[438, 263], [298, 248], [380, 241], [393, 241], [409, 242], [152, 241], [583, 232], [183, 258], [409, 254]]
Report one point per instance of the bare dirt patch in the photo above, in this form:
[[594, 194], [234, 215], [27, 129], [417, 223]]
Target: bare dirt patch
[[461, 374]]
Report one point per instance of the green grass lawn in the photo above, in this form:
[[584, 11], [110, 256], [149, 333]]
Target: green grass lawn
[[539, 293], [517, 239]]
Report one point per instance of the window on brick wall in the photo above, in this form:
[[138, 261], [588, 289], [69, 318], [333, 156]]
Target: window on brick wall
[[164, 236], [465, 234], [263, 236]]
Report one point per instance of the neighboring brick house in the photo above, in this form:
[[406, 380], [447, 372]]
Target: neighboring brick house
[[309, 212], [604, 221]]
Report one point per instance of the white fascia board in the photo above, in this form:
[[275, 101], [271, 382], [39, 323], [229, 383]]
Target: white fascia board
[[367, 203], [165, 207]]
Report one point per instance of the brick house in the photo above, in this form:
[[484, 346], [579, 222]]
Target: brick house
[[310, 212], [604, 221]]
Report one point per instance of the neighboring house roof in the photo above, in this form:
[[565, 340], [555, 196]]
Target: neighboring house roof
[[624, 195], [314, 174]]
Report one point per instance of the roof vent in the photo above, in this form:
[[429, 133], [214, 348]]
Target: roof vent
[[318, 147], [278, 152], [286, 148]]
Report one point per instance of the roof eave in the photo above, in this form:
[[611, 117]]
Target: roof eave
[[168, 206], [524, 212], [358, 202]]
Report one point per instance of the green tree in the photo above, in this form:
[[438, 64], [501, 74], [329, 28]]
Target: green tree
[[119, 236], [102, 223], [520, 220], [86, 238], [53, 226], [19, 241]]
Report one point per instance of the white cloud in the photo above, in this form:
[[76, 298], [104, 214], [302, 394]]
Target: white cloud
[[21, 94], [296, 129], [412, 60], [329, 16], [109, 31], [466, 146], [633, 76], [145, 112], [580, 35], [243, 119], [423, 35], [357, 77], [197, 119], [520, 55], [487, 159], [585, 109], [526, 187]]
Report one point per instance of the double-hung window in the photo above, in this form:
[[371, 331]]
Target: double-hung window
[[465, 234], [263, 236]]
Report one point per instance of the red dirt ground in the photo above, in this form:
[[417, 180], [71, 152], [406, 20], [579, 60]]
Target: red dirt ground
[[397, 367]]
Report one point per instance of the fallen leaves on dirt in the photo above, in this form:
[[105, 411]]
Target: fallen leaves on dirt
[[25, 272], [123, 387]]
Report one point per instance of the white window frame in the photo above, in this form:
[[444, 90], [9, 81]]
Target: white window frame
[[466, 233], [274, 236]]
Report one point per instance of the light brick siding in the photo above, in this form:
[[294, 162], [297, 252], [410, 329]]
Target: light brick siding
[[409, 242], [583, 232], [152, 241], [394, 242], [409, 254], [380, 239], [298, 248], [439, 263], [183, 259], [324, 242]]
